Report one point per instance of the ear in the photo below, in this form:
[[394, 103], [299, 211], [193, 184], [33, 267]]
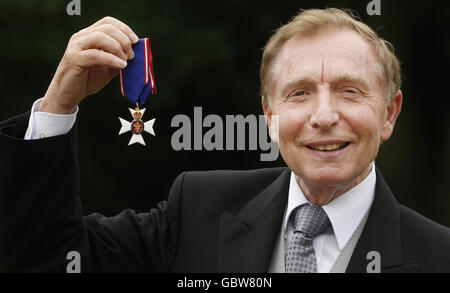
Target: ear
[[393, 110], [271, 120]]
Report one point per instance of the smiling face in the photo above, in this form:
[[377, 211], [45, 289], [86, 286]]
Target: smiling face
[[332, 111]]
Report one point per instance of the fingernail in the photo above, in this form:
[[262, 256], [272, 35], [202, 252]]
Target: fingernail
[[122, 64], [130, 54], [134, 38]]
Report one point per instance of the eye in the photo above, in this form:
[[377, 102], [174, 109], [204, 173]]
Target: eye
[[350, 92], [299, 93]]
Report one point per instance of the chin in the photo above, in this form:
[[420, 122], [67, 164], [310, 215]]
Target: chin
[[327, 177]]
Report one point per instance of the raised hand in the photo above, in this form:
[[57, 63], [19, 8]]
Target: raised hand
[[92, 58]]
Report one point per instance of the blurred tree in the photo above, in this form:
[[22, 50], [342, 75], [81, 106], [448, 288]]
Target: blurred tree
[[207, 53]]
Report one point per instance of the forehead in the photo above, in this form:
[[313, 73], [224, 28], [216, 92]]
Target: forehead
[[326, 56]]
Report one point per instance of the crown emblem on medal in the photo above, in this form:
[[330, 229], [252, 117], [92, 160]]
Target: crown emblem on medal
[[137, 115], [137, 126]]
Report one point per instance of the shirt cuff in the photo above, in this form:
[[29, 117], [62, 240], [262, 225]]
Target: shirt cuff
[[43, 124]]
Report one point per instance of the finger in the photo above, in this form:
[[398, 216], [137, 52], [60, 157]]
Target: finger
[[120, 25], [119, 36], [109, 73], [100, 40], [94, 57]]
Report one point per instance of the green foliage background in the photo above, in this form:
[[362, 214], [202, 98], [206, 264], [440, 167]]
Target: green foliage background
[[207, 53]]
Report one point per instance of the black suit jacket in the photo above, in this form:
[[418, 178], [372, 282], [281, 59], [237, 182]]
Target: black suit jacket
[[215, 221]]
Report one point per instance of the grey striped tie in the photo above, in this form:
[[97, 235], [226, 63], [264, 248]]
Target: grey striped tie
[[309, 221]]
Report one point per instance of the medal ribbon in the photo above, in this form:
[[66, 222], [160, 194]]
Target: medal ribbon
[[137, 80]]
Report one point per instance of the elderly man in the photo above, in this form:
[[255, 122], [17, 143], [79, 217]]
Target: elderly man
[[331, 95]]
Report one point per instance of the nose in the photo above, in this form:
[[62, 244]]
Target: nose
[[324, 114]]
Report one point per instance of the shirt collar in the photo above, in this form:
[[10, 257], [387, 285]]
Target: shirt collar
[[345, 212]]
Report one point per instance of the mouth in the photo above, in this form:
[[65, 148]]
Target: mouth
[[330, 147]]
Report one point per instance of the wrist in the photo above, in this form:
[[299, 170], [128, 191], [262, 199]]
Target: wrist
[[50, 106]]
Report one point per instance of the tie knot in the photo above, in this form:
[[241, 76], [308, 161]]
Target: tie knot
[[311, 220]]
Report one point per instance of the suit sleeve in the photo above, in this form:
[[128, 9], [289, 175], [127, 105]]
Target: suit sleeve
[[41, 219]]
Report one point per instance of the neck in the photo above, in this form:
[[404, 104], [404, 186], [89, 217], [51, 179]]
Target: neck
[[321, 195]]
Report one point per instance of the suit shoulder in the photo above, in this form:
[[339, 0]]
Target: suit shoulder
[[231, 181], [425, 241], [212, 176], [418, 222], [227, 189]]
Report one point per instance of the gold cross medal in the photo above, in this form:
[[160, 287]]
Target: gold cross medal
[[137, 126], [137, 81]]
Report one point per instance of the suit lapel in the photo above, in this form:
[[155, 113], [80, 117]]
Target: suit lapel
[[381, 234], [246, 240]]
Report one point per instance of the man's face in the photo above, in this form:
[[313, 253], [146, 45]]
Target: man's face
[[331, 107]]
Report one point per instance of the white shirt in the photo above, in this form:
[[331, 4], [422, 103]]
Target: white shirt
[[43, 124], [345, 213]]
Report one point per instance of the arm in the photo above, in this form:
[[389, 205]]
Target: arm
[[41, 219]]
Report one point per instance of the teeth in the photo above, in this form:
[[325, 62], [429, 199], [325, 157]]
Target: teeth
[[328, 147]]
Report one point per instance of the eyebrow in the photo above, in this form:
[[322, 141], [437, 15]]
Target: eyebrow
[[304, 80], [307, 80], [354, 79]]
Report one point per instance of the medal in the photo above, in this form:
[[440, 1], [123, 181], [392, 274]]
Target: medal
[[137, 126], [137, 81]]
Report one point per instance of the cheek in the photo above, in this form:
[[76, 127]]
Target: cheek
[[291, 122], [366, 124]]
